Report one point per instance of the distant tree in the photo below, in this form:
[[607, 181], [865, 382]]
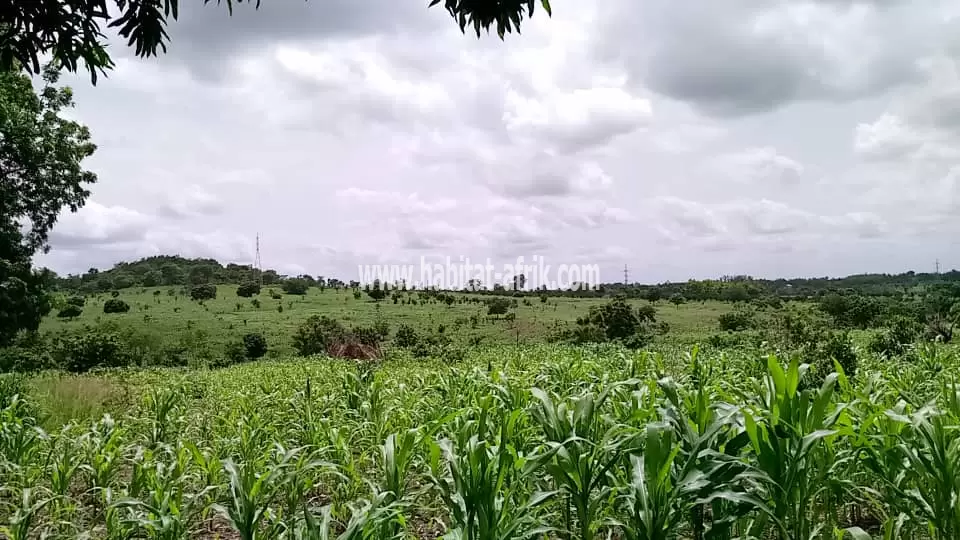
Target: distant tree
[[123, 281], [255, 345], [295, 286], [200, 275], [172, 274], [377, 294], [115, 305], [269, 277], [153, 278], [498, 306], [677, 299], [203, 292], [248, 289]]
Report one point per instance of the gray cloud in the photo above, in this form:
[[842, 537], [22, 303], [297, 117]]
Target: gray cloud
[[769, 138]]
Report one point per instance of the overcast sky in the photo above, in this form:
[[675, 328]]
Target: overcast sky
[[684, 139]]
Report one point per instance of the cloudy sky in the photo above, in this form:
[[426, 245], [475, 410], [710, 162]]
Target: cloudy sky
[[684, 139]]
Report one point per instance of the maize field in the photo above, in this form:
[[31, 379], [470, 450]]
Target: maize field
[[545, 442]]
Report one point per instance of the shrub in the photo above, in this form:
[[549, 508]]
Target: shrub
[[377, 294], [275, 295], [255, 303], [255, 345], [69, 312], [357, 295], [115, 305], [736, 321], [295, 286], [406, 336], [248, 289], [203, 292], [316, 334], [78, 301], [28, 352], [89, 349], [839, 347], [233, 353], [497, 306], [896, 339], [367, 335]]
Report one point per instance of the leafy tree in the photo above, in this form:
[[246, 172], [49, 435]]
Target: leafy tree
[[295, 286], [153, 278], [377, 294], [172, 274], [40, 175], [70, 30], [315, 334], [498, 306], [200, 275], [203, 292], [255, 345], [115, 305], [406, 336], [248, 289]]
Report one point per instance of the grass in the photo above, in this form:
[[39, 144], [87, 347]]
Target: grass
[[540, 441], [176, 317]]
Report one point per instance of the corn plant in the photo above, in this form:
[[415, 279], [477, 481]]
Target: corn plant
[[787, 428], [584, 448], [484, 480]]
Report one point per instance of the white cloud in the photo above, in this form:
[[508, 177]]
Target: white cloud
[[680, 139]]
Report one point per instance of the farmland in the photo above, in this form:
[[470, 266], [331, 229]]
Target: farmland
[[167, 312], [139, 418]]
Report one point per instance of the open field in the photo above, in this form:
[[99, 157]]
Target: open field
[[815, 419], [228, 315], [537, 442]]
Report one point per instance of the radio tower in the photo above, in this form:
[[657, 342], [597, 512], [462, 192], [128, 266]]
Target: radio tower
[[938, 265], [626, 274], [257, 264]]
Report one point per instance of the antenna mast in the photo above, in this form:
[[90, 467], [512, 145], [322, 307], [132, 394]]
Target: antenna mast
[[258, 265], [626, 275]]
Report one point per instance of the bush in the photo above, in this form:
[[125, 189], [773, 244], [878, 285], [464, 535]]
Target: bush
[[316, 334], [89, 349], [203, 292], [255, 303], [115, 305], [248, 289], [377, 294], [839, 347], [69, 312], [406, 336], [255, 345], [895, 340], [78, 301], [233, 353], [295, 286], [28, 352], [736, 321], [497, 306]]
